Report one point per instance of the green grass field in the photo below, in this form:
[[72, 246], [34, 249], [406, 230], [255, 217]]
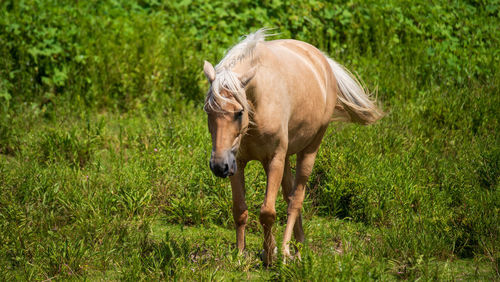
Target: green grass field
[[104, 146]]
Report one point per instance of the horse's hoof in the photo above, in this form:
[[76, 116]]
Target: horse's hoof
[[264, 258], [287, 257]]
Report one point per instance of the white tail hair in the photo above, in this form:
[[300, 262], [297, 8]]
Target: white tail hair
[[354, 103]]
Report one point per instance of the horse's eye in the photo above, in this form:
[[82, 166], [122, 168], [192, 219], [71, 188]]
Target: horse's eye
[[238, 115]]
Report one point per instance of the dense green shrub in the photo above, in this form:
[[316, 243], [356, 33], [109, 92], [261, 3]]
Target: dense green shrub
[[107, 51]]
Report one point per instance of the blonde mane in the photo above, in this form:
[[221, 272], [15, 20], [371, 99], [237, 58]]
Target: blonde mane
[[226, 79]]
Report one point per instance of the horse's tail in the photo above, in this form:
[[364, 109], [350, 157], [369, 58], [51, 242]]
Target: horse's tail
[[354, 103]]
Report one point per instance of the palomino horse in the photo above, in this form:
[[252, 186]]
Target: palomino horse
[[269, 100]]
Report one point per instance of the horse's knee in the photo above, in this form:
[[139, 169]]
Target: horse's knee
[[294, 207], [296, 200], [240, 216], [267, 215]]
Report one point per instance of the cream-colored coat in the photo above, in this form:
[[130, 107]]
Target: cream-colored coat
[[267, 101]]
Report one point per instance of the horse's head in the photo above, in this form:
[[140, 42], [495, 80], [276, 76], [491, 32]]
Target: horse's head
[[228, 117]]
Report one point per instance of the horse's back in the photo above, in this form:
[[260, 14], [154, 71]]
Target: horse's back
[[305, 73]]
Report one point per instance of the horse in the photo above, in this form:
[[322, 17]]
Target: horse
[[269, 100]]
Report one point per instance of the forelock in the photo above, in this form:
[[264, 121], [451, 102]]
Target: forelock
[[226, 81]]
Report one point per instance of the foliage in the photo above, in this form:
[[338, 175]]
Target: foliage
[[104, 147]]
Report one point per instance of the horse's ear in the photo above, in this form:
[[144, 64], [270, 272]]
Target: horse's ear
[[209, 71], [247, 76]]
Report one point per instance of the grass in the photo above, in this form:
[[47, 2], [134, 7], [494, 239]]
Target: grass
[[104, 145], [129, 197], [334, 248]]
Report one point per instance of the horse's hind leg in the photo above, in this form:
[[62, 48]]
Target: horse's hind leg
[[305, 163], [240, 210], [287, 184]]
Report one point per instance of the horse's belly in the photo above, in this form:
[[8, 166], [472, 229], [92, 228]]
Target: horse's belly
[[299, 140]]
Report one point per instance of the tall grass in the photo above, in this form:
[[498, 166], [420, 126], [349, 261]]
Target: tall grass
[[104, 146]]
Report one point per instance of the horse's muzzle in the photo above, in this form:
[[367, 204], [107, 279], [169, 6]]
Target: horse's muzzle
[[223, 166]]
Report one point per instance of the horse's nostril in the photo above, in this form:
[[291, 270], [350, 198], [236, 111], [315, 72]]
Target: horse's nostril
[[226, 168]]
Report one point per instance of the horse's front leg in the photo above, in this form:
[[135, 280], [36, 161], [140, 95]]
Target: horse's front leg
[[240, 210], [274, 170]]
